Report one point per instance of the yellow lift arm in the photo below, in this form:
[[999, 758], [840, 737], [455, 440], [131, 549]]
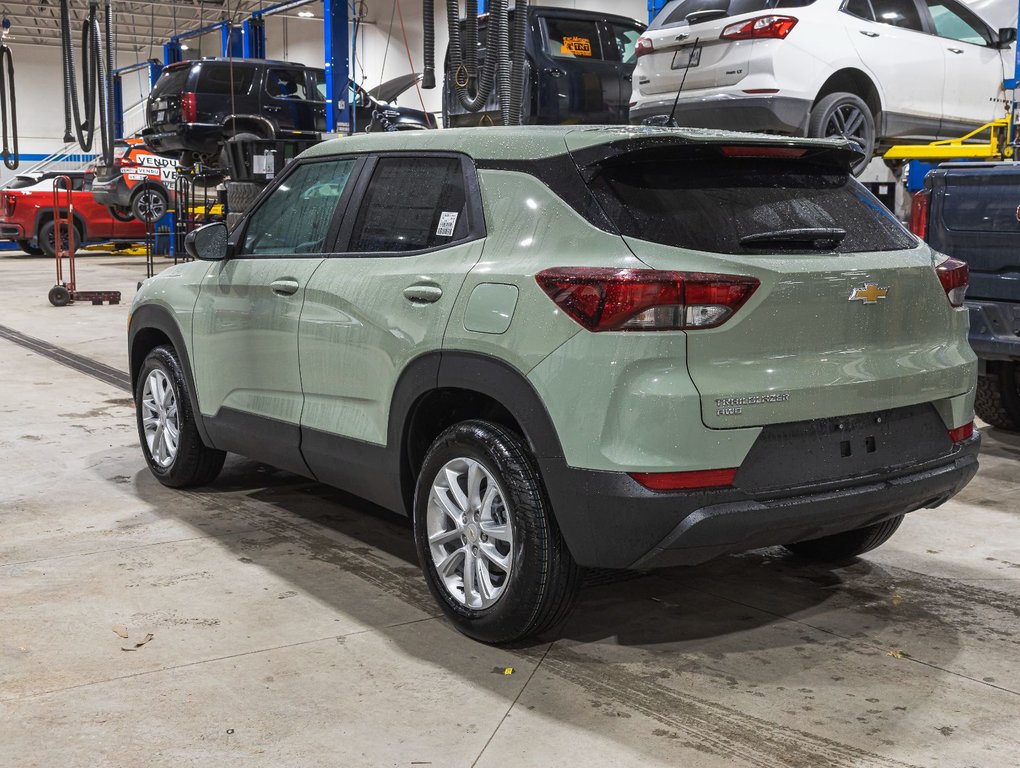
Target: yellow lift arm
[[971, 146]]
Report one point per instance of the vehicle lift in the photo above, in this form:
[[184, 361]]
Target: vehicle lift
[[64, 293]]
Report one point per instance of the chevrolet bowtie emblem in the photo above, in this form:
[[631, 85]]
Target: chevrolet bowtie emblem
[[869, 293]]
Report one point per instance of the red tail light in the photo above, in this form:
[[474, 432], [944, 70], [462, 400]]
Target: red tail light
[[644, 45], [960, 434], [10, 203], [776, 27], [685, 481], [189, 109], [750, 150], [954, 276], [605, 299], [919, 213]]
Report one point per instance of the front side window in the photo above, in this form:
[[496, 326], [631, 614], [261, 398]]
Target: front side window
[[411, 204], [572, 39], [956, 23], [295, 218], [898, 13]]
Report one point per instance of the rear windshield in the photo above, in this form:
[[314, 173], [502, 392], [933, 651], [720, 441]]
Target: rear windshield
[[171, 82], [677, 11], [223, 78], [712, 204]]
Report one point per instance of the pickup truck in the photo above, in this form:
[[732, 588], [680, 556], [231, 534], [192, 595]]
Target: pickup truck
[[26, 217], [972, 211]]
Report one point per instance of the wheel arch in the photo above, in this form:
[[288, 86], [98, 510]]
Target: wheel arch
[[248, 124], [44, 215], [440, 389], [857, 82], [150, 327]]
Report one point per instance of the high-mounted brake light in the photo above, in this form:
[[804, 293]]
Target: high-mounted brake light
[[644, 45], [749, 150], [685, 481], [606, 299], [189, 108], [955, 277], [960, 434], [919, 213], [762, 27]]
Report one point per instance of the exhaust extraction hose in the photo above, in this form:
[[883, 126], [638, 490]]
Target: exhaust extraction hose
[[503, 73], [95, 73], [8, 104], [520, 62], [462, 66], [428, 11]]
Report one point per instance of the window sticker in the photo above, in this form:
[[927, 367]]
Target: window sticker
[[447, 223], [578, 46]]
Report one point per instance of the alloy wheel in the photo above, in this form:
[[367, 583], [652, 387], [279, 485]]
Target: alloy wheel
[[470, 536], [150, 205], [847, 121], [160, 418]]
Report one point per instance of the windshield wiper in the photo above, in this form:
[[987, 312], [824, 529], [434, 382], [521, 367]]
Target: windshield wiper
[[699, 16], [815, 238]]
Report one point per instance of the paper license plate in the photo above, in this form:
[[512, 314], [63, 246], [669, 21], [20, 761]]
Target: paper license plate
[[687, 57]]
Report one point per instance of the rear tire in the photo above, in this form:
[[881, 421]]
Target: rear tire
[[998, 397], [150, 204], [848, 116], [510, 574], [47, 239], [120, 213], [169, 437], [843, 546]]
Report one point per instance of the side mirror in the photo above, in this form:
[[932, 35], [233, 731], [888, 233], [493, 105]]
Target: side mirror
[[1006, 36], [208, 243]]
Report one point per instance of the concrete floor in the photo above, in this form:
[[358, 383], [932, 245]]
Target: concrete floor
[[290, 624]]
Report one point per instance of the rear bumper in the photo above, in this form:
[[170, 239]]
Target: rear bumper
[[726, 111], [205, 138], [995, 329], [10, 231], [611, 521]]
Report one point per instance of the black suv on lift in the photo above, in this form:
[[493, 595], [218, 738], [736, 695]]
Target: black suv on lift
[[196, 105], [579, 70]]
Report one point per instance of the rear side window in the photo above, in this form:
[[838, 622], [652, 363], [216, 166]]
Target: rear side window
[[898, 13], [171, 82], [981, 204], [412, 203], [677, 11], [572, 39], [622, 42], [224, 79], [718, 205], [295, 218], [861, 9], [287, 84]]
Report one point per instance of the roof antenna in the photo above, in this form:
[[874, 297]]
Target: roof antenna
[[670, 122]]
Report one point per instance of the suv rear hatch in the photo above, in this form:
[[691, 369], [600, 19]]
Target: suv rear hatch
[[690, 32], [840, 323], [164, 103]]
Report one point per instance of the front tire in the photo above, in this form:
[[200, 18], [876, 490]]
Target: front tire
[[27, 247], [490, 549], [844, 115], [841, 547], [173, 449]]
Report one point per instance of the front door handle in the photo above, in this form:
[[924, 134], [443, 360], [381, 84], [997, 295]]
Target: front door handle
[[956, 50], [553, 72], [423, 293], [284, 287], [868, 33]]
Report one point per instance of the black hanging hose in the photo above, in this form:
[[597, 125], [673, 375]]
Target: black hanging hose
[[428, 11], [503, 73], [96, 69], [8, 104], [462, 56], [520, 61]]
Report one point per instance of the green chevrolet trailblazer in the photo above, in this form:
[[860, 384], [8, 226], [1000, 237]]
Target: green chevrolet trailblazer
[[563, 347]]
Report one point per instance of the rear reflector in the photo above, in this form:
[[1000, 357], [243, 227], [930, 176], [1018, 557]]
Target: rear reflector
[[919, 213], [606, 299], [775, 27], [955, 277], [750, 150], [960, 434], [685, 481], [10, 204], [644, 45]]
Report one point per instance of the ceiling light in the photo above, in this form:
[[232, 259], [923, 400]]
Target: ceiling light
[[184, 47], [305, 14]]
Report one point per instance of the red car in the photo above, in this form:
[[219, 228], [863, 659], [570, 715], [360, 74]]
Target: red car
[[26, 217]]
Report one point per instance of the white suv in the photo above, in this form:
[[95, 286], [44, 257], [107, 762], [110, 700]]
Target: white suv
[[880, 71]]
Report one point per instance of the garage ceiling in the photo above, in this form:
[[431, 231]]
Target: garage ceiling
[[138, 24]]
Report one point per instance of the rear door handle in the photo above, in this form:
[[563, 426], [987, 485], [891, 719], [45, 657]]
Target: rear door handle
[[284, 287], [553, 72], [868, 33], [423, 293], [956, 50]]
